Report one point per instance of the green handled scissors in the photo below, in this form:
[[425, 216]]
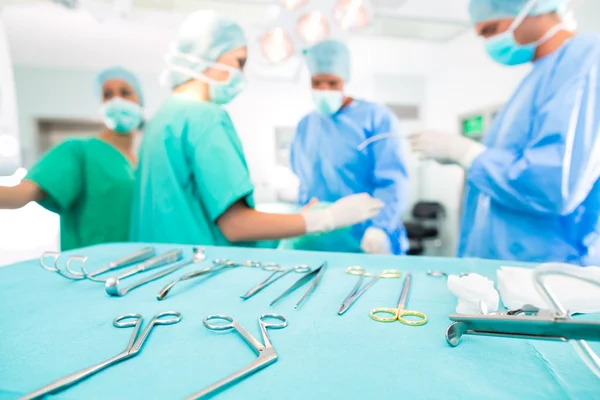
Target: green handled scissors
[[399, 313]]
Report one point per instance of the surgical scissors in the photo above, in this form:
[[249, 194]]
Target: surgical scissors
[[112, 284], [133, 348], [274, 277], [219, 265], [357, 291], [400, 312], [315, 275], [137, 257], [265, 352]]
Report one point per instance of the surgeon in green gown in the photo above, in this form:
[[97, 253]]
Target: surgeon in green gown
[[193, 184], [89, 181]]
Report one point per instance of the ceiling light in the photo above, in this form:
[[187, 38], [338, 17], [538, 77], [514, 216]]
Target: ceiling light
[[313, 27], [276, 45], [351, 14]]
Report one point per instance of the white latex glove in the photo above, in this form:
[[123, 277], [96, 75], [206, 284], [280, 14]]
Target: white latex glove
[[347, 211], [444, 147], [375, 241], [472, 289]]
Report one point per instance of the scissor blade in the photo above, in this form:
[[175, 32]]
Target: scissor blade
[[257, 365], [351, 298], [299, 283]]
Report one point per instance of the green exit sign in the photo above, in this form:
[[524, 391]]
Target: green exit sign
[[473, 126]]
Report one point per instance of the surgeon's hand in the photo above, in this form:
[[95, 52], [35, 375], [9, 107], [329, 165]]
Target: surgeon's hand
[[446, 148], [347, 211], [375, 241]]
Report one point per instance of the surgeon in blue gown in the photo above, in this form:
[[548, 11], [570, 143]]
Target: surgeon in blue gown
[[349, 146], [533, 190]]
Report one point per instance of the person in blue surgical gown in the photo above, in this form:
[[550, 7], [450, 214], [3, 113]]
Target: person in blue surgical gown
[[351, 146], [533, 185]]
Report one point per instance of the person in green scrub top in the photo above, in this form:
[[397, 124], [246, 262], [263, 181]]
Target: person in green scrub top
[[89, 182], [193, 185]]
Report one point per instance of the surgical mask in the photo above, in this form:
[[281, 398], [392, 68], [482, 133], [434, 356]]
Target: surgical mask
[[218, 92], [121, 116], [505, 49], [328, 102]]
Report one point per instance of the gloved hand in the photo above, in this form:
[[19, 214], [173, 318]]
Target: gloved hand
[[444, 148], [347, 211], [375, 241]]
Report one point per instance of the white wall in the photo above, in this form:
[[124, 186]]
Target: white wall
[[9, 138]]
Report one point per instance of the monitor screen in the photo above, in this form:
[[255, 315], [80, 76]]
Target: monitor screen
[[473, 127]]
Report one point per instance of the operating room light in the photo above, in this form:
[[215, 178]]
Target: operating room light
[[313, 27], [277, 45], [351, 14], [293, 4]]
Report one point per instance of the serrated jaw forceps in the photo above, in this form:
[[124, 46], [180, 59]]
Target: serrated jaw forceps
[[530, 322], [265, 352], [133, 348]]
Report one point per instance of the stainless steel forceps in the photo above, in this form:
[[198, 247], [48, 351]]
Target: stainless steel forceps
[[112, 284], [133, 348], [131, 259], [265, 352], [274, 277], [315, 275], [357, 291], [153, 263], [219, 265]]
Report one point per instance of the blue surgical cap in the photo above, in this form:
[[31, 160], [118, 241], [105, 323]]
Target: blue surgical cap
[[204, 35], [121, 74], [329, 57], [488, 10]]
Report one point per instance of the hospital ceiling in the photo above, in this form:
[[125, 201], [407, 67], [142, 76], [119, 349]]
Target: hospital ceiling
[[429, 20], [84, 35]]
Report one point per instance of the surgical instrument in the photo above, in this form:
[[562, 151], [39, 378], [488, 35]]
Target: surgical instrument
[[138, 256], [315, 276], [112, 284], [133, 348], [155, 262], [67, 273], [274, 277], [219, 265], [441, 274], [399, 313], [357, 291], [265, 352], [530, 322]]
